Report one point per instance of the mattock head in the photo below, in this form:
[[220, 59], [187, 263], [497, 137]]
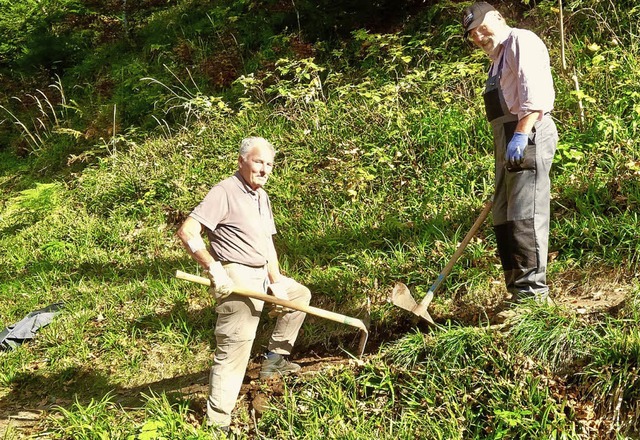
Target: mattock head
[[401, 297]]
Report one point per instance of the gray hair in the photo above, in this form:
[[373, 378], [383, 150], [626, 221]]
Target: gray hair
[[248, 143]]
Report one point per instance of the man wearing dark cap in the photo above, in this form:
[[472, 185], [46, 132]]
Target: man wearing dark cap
[[518, 99]]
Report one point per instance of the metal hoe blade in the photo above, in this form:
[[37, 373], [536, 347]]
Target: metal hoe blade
[[401, 297]]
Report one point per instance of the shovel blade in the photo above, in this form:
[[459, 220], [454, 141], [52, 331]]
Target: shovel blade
[[401, 297]]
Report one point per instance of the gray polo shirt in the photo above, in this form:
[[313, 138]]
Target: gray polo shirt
[[239, 222]]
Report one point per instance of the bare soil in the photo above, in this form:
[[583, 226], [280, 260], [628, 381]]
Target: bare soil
[[605, 294]]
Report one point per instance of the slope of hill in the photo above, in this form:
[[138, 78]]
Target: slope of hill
[[118, 117]]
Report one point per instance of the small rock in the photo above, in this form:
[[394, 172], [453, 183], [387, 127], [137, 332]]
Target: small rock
[[260, 403]]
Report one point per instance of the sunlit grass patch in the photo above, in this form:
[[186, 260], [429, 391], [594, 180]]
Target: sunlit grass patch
[[558, 338], [384, 161]]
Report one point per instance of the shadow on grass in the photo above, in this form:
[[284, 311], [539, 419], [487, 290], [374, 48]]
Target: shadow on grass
[[41, 392], [40, 389], [37, 389]]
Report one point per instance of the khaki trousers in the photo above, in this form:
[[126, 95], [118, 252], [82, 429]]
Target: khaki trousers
[[238, 319]]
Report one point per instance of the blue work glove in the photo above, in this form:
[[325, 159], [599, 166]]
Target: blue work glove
[[515, 149]]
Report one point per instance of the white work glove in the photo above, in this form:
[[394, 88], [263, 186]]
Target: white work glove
[[221, 285], [279, 290]]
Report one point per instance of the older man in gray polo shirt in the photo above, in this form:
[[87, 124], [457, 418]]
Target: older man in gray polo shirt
[[236, 215]]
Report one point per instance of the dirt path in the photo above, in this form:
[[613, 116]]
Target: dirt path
[[604, 295]]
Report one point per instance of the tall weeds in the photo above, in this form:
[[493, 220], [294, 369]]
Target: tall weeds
[[46, 117]]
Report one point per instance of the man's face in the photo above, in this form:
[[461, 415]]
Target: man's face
[[256, 167], [486, 35]]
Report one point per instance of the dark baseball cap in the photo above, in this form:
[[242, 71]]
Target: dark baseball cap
[[474, 15]]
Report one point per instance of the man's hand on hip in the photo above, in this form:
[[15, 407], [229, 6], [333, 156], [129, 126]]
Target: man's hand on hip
[[221, 284], [515, 149]]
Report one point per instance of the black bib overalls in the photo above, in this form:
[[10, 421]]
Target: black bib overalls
[[521, 200]]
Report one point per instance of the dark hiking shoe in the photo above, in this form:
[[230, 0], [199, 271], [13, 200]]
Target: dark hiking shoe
[[277, 365]]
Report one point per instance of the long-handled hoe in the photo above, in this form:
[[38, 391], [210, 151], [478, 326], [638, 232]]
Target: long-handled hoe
[[332, 316], [401, 296]]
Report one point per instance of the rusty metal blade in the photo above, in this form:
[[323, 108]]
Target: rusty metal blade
[[401, 297]]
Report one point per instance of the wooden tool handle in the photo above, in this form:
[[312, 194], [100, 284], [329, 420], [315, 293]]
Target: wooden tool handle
[[332, 316], [447, 269]]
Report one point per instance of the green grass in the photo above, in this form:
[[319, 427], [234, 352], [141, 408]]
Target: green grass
[[384, 162]]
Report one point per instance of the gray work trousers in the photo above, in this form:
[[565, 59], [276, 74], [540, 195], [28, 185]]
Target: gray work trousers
[[236, 326], [521, 208]]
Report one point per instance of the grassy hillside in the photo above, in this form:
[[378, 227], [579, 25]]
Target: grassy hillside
[[384, 161]]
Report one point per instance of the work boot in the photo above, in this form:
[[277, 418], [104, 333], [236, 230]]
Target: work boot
[[276, 364]]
